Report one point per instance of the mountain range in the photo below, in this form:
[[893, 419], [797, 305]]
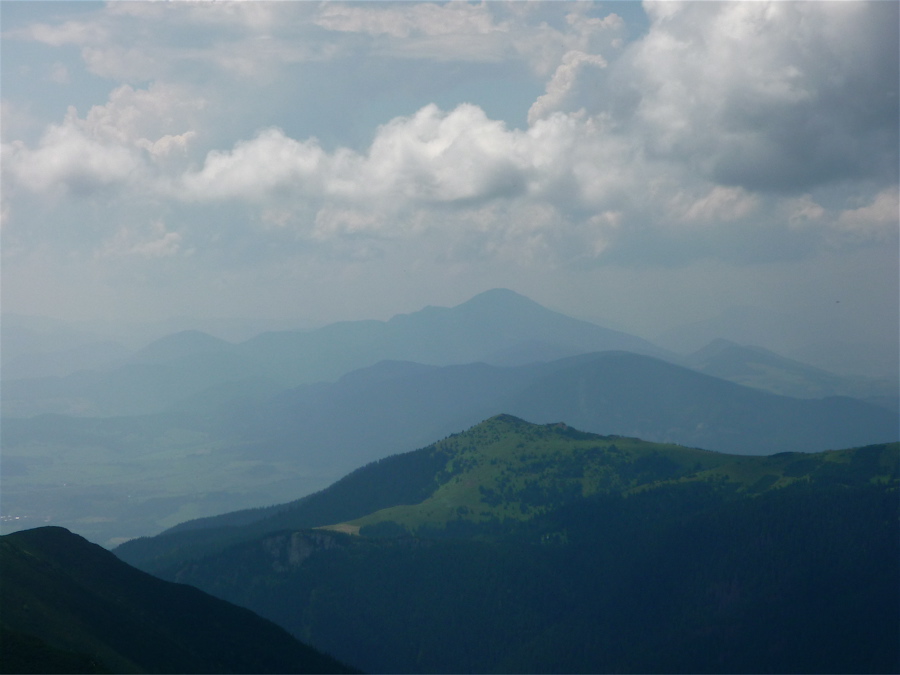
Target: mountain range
[[369, 413], [233, 430], [498, 326], [113, 477], [731, 510], [764, 369]]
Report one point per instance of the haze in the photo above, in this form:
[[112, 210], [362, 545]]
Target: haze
[[726, 166]]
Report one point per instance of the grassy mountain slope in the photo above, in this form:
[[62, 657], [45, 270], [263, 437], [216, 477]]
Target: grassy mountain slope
[[508, 469], [545, 549], [75, 604], [504, 469]]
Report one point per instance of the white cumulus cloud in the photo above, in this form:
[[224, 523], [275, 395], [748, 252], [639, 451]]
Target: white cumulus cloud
[[769, 96]]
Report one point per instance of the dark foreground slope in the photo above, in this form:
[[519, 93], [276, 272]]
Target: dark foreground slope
[[71, 606], [674, 580], [516, 547]]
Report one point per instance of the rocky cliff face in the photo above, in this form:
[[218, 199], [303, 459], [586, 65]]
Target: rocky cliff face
[[288, 551]]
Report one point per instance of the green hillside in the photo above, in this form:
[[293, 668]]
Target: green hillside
[[505, 471], [508, 469], [515, 547]]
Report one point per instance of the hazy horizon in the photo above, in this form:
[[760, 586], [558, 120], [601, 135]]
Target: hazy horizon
[[644, 167]]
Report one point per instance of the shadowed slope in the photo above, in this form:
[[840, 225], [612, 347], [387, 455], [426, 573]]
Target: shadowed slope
[[76, 597]]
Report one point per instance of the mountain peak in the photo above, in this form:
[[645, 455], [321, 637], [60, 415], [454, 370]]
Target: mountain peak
[[182, 343], [713, 348], [493, 294], [503, 423], [499, 299]]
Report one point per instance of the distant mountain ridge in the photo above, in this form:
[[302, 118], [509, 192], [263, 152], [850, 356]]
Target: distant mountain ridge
[[763, 369], [369, 413], [180, 345], [496, 325], [492, 323], [865, 355]]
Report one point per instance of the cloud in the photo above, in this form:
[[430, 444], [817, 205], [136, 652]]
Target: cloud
[[254, 169], [431, 156], [485, 32], [561, 86], [803, 211], [105, 147], [878, 219], [139, 42], [403, 21], [445, 157], [69, 158], [719, 205], [712, 135], [134, 116], [77, 33], [59, 74], [775, 97], [152, 242]]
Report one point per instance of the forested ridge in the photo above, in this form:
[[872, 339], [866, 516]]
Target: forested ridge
[[686, 578], [544, 549]]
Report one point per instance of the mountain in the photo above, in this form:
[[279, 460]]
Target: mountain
[[633, 395], [873, 356], [541, 548], [71, 606], [763, 369], [498, 326], [180, 345], [869, 357], [533, 452], [493, 327], [240, 446], [373, 412], [755, 325]]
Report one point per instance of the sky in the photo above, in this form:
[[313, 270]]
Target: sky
[[639, 165]]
